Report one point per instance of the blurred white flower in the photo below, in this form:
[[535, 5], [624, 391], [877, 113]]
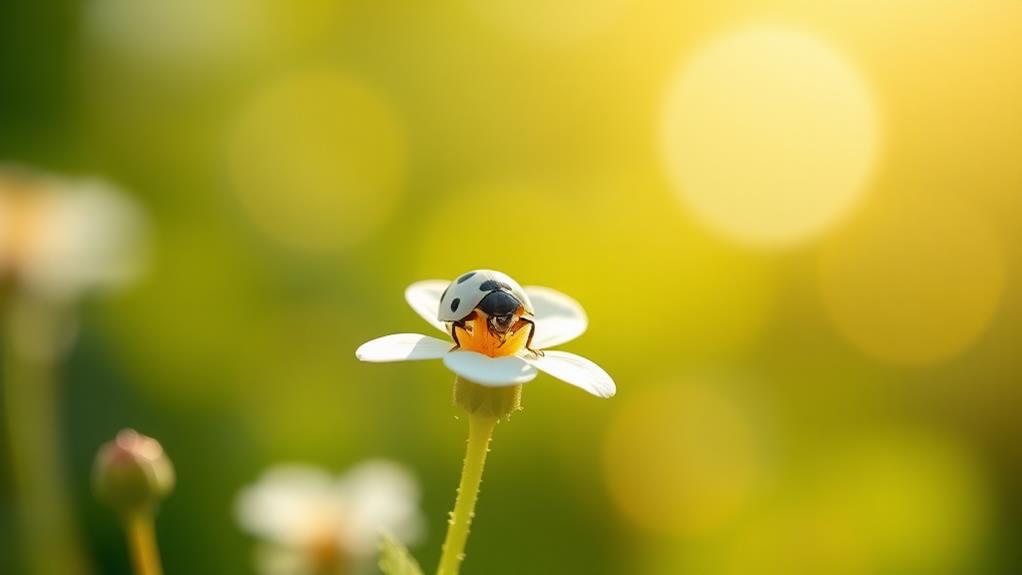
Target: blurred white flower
[[312, 522], [484, 352], [61, 237]]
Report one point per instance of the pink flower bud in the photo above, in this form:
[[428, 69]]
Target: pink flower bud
[[132, 473]]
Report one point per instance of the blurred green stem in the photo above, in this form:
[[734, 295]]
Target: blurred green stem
[[480, 430], [145, 555], [48, 539]]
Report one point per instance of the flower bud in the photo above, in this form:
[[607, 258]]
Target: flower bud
[[131, 473]]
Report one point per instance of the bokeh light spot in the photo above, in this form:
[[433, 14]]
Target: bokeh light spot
[[769, 136], [682, 459], [913, 284], [318, 161]]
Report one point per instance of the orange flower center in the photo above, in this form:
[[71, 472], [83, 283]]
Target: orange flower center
[[477, 336]]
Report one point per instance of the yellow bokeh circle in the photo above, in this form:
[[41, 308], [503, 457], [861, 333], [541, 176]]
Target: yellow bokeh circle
[[913, 282], [318, 160], [682, 459], [769, 135]]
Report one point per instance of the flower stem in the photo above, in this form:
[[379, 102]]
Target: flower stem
[[49, 542], [480, 430], [145, 556]]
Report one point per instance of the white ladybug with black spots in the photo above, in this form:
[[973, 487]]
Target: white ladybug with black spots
[[486, 311]]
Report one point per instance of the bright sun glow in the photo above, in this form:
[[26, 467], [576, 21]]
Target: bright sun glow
[[769, 135]]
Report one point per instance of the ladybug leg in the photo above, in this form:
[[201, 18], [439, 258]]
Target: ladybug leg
[[467, 327], [454, 334], [532, 332]]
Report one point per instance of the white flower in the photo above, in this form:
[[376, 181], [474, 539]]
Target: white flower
[[310, 520], [557, 319], [61, 237]]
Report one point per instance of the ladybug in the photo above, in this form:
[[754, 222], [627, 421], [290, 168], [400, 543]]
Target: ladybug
[[485, 310]]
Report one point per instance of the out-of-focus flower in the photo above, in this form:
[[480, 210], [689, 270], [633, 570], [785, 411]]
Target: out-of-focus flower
[[132, 473], [499, 329], [61, 237], [314, 523]]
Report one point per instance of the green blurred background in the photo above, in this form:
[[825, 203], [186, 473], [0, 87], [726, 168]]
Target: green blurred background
[[811, 310]]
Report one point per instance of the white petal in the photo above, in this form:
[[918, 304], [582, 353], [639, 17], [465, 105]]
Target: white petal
[[577, 371], [282, 506], [490, 371], [559, 318], [89, 236], [381, 496], [403, 347], [424, 297]]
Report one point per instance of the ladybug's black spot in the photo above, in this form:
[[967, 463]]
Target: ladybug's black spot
[[466, 277], [455, 303], [490, 285]]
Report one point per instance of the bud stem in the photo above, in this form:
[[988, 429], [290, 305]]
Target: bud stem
[[480, 431], [145, 556]]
